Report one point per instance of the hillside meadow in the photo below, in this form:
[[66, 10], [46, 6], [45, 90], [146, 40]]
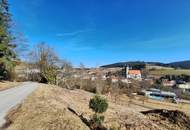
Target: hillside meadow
[[55, 108], [169, 72]]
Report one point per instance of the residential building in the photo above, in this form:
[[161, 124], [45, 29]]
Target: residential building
[[184, 87], [114, 79], [168, 83], [134, 74]]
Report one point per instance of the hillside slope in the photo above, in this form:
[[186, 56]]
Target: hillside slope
[[49, 108], [180, 64]]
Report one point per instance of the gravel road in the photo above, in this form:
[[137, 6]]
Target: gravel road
[[11, 97]]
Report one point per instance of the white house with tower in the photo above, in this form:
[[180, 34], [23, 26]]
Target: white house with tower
[[133, 74]]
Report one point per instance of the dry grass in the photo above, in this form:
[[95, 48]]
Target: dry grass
[[169, 72], [43, 110], [6, 85], [154, 104], [47, 109]]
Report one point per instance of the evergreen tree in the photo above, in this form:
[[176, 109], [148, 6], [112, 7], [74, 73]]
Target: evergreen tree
[[6, 48]]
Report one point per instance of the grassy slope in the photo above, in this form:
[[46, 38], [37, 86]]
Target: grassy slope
[[44, 110], [170, 72], [47, 108], [161, 70], [6, 85]]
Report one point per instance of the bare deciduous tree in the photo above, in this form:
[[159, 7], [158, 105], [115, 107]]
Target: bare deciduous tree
[[66, 66], [45, 59]]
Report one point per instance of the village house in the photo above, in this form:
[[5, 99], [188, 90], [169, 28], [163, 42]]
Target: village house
[[134, 74], [184, 87], [114, 79], [168, 83], [124, 80]]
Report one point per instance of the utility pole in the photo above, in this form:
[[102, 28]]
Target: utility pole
[[126, 70]]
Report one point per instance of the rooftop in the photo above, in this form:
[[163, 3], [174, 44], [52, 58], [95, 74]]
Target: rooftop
[[134, 72]]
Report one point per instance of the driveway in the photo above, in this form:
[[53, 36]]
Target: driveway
[[11, 97]]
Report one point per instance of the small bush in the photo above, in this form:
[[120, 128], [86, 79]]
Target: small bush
[[97, 120], [185, 96], [88, 85], [98, 104]]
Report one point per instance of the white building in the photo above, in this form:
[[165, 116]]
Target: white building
[[133, 74], [184, 86]]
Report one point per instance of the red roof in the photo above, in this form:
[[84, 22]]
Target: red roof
[[136, 72]]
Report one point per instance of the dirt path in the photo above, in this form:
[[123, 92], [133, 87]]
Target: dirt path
[[11, 97]]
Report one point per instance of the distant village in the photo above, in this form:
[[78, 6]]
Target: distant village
[[127, 74], [163, 87], [171, 83]]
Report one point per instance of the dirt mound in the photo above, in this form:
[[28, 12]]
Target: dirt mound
[[171, 119]]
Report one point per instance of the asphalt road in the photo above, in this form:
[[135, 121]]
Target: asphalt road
[[11, 97]]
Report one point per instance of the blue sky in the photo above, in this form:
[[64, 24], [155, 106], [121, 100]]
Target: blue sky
[[97, 32]]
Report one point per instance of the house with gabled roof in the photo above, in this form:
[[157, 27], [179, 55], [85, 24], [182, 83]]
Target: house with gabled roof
[[134, 74]]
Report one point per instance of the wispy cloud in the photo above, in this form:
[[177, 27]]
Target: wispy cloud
[[74, 33], [76, 48], [76, 44]]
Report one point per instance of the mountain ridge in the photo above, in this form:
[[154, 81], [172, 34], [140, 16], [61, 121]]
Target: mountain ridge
[[179, 64]]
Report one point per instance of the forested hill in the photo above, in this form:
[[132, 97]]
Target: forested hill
[[180, 64]]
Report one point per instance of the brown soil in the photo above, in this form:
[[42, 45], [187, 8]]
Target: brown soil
[[170, 119]]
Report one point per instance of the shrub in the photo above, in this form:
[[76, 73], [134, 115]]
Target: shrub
[[98, 104], [185, 96], [88, 85], [98, 120]]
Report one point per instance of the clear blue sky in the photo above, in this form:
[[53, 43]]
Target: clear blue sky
[[97, 32]]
